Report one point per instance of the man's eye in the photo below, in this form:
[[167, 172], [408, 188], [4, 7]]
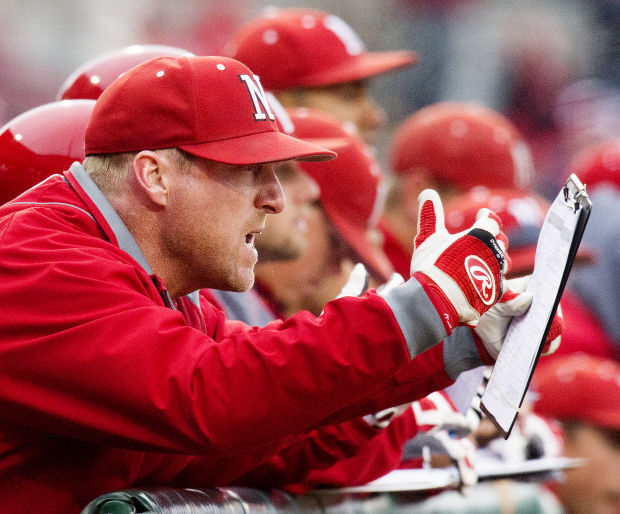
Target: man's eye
[[284, 171]]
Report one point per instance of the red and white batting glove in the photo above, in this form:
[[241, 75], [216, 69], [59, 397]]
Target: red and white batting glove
[[395, 280], [554, 337], [462, 273], [437, 412], [493, 324], [384, 417], [437, 416], [462, 452], [357, 282]]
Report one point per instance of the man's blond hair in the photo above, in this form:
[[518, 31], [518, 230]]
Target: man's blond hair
[[109, 171]]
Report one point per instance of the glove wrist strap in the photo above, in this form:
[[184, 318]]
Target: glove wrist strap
[[448, 314]]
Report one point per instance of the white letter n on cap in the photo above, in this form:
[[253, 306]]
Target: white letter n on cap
[[258, 97]]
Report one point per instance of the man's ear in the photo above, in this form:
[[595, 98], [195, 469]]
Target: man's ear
[[151, 171]]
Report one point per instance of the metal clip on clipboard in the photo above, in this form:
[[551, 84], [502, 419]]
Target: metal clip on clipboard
[[575, 190]]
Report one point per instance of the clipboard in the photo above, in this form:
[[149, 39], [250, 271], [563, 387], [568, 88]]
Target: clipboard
[[557, 246]]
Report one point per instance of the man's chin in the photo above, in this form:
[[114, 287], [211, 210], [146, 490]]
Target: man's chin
[[244, 282]]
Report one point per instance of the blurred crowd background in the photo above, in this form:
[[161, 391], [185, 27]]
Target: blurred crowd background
[[550, 65]]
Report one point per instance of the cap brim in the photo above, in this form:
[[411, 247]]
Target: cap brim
[[370, 255], [260, 148], [361, 67]]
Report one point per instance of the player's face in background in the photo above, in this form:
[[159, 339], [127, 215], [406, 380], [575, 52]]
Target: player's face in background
[[349, 101], [595, 487], [285, 235], [325, 266], [214, 213]]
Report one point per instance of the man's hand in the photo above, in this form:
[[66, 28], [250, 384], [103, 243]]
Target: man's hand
[[462, 272], [436, 412], [443, 428], [515, 301], [493, 324]]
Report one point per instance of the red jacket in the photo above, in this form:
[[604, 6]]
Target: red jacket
[[371, 458], [107, 384]]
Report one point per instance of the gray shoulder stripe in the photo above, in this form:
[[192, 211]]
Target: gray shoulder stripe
[[58, 203], [417, 317], [123, 236]]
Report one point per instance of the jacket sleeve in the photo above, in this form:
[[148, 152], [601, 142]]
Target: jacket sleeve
[[289, 462], [89, 351], [361, 459], [381, 455]]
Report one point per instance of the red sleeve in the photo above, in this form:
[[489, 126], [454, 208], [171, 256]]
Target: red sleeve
[[381, 455], [350, 453], [90, 352], [420, 377], [316, 450]]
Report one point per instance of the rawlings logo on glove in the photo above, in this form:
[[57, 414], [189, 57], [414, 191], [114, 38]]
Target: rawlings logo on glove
[[462, 273], [481, 277]]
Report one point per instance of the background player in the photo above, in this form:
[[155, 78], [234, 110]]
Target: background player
[[312, 58]]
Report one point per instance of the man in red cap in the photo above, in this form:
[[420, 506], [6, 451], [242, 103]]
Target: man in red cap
[[582, 392], [342, 222], [114, 373], [450, 147], [598, 167], [313, 58]]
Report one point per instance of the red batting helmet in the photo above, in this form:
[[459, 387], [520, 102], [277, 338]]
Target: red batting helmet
[[599, 164], [297, 47], [522, 214], [463, 145], [92, 77], [579, 387], [40, 142], [352, 189]]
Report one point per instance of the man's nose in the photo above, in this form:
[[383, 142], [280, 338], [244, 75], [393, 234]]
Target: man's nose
[[270, 197]]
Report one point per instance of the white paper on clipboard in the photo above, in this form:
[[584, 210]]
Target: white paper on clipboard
[[557, 244]]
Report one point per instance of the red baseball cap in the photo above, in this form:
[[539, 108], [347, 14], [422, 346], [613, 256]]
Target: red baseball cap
[[352, 188], [598, 164], [297, 47], [211, 107], [522, 214], [579, 387], [92, 77], [462, 144]]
